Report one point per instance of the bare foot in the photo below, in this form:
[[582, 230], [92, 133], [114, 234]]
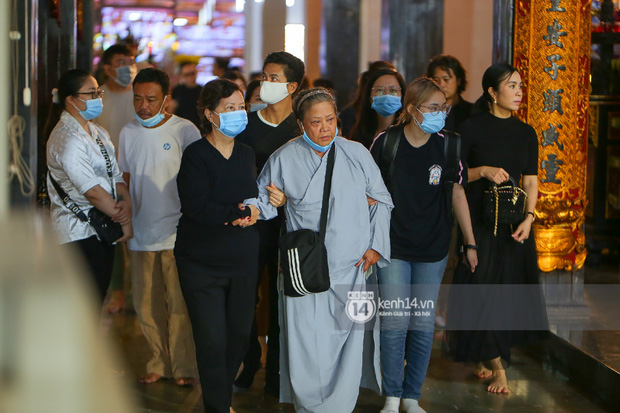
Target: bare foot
[[185, 381], [481, 371], [116, 302], [499, 383], [149, 378]]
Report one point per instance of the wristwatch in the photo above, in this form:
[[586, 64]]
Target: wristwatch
[[532, 214]]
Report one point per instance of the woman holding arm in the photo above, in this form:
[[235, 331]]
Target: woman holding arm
[[77, 163], [497, 147], [420, 232], [215, 250]]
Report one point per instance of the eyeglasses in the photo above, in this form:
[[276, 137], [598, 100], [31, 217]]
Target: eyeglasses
[[382, 90], [93, 95], [123, 62], [436, 109]]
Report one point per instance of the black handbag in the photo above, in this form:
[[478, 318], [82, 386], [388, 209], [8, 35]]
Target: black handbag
[[107, 230], [505, 204], [303, 255]]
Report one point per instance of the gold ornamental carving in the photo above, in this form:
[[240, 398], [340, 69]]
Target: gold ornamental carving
[[552, 54]]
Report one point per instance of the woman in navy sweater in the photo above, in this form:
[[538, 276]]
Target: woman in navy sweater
[[217, 248]]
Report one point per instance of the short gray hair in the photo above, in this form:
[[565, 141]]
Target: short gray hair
[[310, 97]]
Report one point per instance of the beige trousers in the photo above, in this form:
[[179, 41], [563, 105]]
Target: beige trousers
[[162, 314]]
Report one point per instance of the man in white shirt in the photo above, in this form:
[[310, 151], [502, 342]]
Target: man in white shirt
[[150, 151], [120, 69]]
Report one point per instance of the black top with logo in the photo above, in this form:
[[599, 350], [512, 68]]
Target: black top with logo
[[420, 228]]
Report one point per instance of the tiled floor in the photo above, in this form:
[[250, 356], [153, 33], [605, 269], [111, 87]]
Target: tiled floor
[[448, 387]]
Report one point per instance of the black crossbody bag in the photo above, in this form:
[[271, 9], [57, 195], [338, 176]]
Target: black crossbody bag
[[107, 230], [303, 255]]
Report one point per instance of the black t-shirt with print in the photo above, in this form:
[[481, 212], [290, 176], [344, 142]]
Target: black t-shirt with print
[[420, 228]]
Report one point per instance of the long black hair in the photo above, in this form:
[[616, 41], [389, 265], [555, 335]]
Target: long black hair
[[492, 78], [366, 123]]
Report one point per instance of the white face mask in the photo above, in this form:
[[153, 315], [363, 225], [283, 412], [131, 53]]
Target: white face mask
[[272, 92]]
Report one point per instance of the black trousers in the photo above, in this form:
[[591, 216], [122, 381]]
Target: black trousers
[[220, 311], [100, 259], [269, 232]]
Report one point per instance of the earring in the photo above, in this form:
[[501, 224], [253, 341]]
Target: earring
[[495, 101]]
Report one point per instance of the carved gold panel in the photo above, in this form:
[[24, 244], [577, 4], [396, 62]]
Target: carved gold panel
[[552, 54]]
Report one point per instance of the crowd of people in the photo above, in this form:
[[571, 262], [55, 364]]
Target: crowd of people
[[204, 180]]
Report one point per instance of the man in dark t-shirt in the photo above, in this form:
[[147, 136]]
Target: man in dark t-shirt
[[267, 130], [185, 95]]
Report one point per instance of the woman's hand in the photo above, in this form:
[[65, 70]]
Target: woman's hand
[[276, 196], [127, 232], [523, 230], [246, 221], [493, 174], [371, 201], [471, 259], [370, 257], [124, 213]]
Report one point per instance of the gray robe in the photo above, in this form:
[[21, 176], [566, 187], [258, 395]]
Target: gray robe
[[321, 352]]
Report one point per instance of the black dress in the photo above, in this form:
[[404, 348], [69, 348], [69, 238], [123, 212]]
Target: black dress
[[504, 292]]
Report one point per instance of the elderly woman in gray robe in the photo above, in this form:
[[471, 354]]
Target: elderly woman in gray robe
[[322, 350]]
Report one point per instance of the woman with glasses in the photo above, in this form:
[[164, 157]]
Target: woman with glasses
[[498, 147], [81, 161], [381, 106], [420, 232]]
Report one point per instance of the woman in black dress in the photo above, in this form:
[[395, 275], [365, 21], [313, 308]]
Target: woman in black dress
[[496, 147], [216, 248]]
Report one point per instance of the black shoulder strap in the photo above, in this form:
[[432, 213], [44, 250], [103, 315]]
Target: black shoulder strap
[[108, 163], [327, 187], [388, 153], [452, 155], [66, 199]]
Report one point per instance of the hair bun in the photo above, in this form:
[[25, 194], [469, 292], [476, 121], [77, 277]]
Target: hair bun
[[55, 98]]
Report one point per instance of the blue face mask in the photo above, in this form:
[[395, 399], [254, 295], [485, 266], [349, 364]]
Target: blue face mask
[[257, 106], [316, 146], [431, 123], [386, 105], [232, 123], [93, 108], [150, 122]]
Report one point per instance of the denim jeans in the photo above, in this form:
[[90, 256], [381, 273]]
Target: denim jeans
[[407, 333]]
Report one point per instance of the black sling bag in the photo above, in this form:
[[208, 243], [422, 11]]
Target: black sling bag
[[303, 255]]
